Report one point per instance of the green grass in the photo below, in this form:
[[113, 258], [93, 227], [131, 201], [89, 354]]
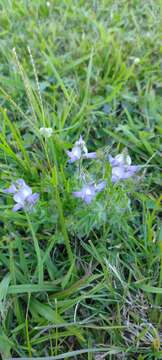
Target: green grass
[[75, 281]]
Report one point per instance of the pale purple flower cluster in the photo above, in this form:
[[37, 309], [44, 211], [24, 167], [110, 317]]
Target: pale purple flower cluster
[[122, 168], [89, 191], [79, 151], [23, 196]]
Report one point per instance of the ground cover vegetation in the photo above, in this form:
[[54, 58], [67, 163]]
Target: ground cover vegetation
[[80, 158]]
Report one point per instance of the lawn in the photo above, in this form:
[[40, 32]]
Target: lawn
[[80, 228]]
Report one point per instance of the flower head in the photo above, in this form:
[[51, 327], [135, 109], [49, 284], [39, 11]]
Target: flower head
[[136, 60], [22, 195], [81, 142], [89, 191], [46, 132], [74, 154], [122, 168], [120, 159], [80, 151], [123, 172]]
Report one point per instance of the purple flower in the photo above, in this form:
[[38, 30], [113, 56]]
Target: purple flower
[[74, 154], [122, 168], [89, 191], [90, 155], [80, 142], [123, 172], [10, 190], [22, 194], [79, 151]]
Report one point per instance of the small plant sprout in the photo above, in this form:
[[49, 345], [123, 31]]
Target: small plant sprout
[[121, 167], [80, 151], [89, 191], [46, 132], [22, 195]]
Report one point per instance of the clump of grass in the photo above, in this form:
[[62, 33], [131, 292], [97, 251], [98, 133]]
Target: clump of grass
[[93, 287]]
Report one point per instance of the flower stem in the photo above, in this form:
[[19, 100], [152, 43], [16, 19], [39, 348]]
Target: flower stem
[[37, 250]]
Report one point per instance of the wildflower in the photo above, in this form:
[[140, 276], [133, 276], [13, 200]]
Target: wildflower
[[120, 159], [46, 132], [136, 60], [89, 191], [74, 154], [81, 143], [22, 194], [122, 168], [79, 151]]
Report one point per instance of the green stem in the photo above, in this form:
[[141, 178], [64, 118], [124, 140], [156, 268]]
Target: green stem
[[37, 250], [158, 296], [54, 173], [13, 279]]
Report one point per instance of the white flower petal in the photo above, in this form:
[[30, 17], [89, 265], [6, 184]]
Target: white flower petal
[[47, 132]]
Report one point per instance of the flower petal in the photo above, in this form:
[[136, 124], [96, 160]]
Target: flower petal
[[120, 160], [77, 194], [17, 207], [46, 131], [91, 155], [111, 160], [20, 182], [88, 198], [11, 190], [32, 199], [100, 186], [131, 170], [124, 172], [117, 173], [80, 142], [87, 193], [22, 194], [74, 154]]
